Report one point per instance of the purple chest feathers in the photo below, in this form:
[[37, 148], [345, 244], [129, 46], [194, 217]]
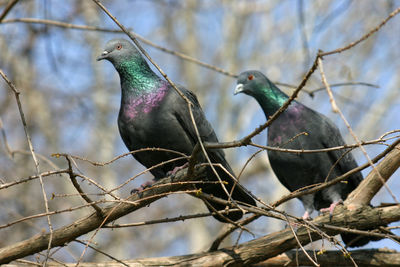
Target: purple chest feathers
[[145, 103], [291, 121]]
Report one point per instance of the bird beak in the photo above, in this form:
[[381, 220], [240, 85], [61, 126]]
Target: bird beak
[[102, 56], [238, 89]]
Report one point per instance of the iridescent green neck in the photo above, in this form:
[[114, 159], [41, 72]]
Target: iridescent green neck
[[270, 98], [137, 77]]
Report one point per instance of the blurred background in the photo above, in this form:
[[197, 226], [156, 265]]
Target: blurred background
[[71, 103]]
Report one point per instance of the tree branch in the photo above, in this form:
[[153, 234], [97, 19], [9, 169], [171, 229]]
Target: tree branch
[[269, 246], [363, 257], [68, 233], [363, 194], [334, 258]]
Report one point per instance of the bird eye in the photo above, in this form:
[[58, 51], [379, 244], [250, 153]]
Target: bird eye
[[119, 46], [250, 77]]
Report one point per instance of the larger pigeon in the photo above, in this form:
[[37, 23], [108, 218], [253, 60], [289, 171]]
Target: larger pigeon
[[300, 127], [153, 114]]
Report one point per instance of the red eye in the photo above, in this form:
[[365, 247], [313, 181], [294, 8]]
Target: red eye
[[119, 46], [250, 77]]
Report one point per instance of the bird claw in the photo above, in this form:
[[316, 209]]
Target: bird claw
[[142, 187], [331, 208], [176, 169], [292, 225], [306, 216]]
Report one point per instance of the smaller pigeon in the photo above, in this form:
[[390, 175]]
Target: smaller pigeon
[[153, 114], [296, 171]]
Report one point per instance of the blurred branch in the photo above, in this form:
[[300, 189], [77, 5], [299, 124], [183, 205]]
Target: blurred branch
[[63, 25], [7, 147], [28, 138], [7, 9], [364, 37], [303, 32], [311, 92], [141, 38]]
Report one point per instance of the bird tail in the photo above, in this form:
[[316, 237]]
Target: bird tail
[[238, 194], [354, 240]]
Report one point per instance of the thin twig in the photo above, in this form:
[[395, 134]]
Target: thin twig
[[299, 243], [102, 252], [311, 92], [33, 177], [364, 37], [96, 163], [217, 241], [173, 219], [328, 88], [78, 188]]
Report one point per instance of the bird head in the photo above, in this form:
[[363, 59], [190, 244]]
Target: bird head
[[250, 82], [119, 50]]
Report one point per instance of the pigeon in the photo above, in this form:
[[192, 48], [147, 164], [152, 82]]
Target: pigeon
[[153, 115], [300, 127]]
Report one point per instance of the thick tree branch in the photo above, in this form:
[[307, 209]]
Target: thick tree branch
[[274, 244], [363, 257], [363, 194], [334, 258]]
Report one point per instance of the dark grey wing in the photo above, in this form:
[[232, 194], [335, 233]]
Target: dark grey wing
[[207, 134], [205, 129], [345, 162], [342, 159]]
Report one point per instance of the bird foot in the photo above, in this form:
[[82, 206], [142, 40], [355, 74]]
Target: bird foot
[[177, 169], [142, 187], [293, 225], [306, 216], [331, 208]]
